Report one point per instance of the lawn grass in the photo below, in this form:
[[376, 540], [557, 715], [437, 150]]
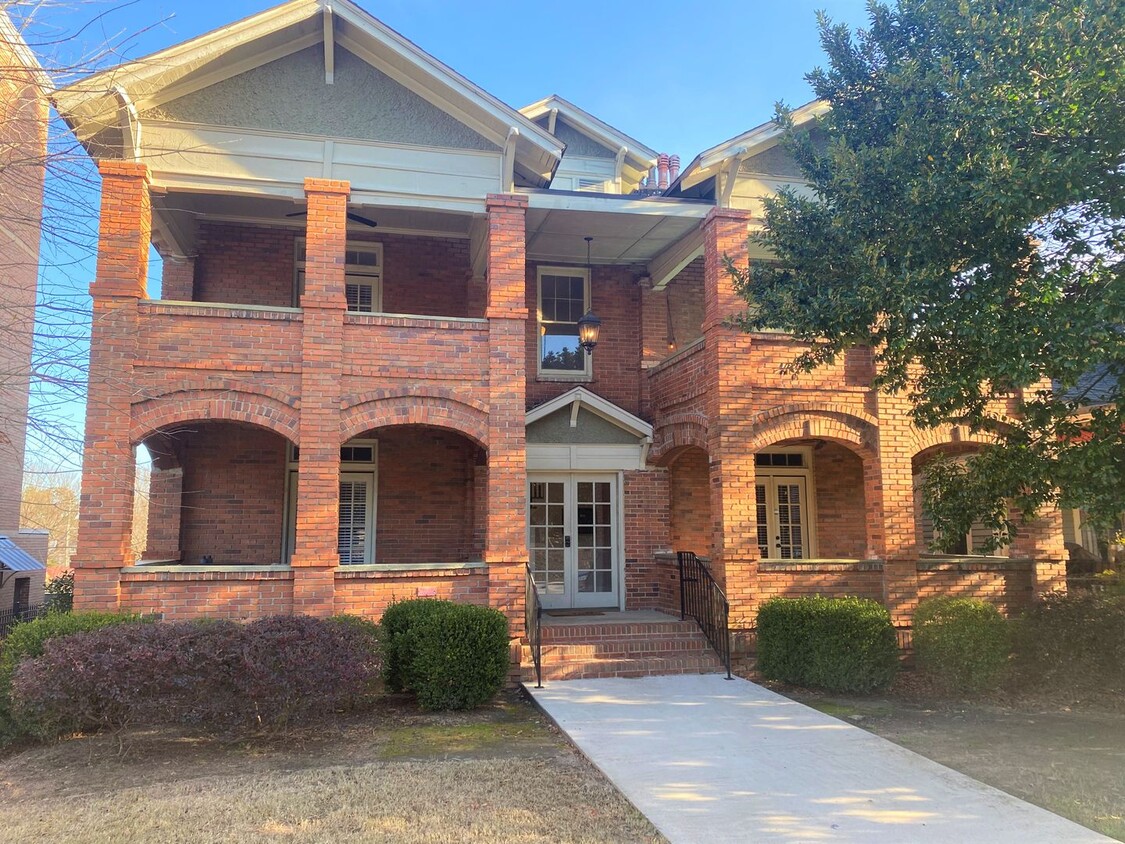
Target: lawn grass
[[398, 775]]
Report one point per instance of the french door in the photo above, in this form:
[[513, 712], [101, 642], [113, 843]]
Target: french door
[[573, 544], [783, 517], [355, 538]]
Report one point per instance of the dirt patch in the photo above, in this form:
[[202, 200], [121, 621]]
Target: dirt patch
[[395, 775], [1068, 759]]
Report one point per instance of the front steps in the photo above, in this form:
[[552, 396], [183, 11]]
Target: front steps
[[620, 647]]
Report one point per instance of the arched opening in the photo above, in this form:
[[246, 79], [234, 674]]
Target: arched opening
[[216, 494], [689, 489], [811, 501], [930, 541], [411, 494]]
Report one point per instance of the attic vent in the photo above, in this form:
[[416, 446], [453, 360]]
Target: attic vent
[[594, 185]]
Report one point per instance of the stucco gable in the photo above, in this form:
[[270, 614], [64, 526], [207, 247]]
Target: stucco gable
[[290, 95]]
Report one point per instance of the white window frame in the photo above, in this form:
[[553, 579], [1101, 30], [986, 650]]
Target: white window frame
[[587, 372], [289, 526], [808, 474], [1003, 552], [350, 270]]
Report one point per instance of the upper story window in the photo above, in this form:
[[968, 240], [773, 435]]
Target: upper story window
[[564, 296], [363, 276]]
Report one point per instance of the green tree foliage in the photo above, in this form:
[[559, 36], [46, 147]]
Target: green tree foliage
[[966, 219]]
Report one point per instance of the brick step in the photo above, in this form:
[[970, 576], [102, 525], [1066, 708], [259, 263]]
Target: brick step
[[587, 632], [627, 647], [644, 667]]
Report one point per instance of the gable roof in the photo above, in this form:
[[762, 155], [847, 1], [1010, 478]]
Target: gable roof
[[637, 155], [94, 102], [604, 408], [750, 142]]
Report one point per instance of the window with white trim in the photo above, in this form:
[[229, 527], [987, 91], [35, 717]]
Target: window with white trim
[[363, 276], [564, 296], [784, 510]]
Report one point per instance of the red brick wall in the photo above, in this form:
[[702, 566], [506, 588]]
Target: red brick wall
[[1009, 586], [685, 304], [647, 579], [255, 265], [368, 594], [690, 495], [616, 299], [180, 596], [841, 513], [426, 504], [833, 581], [233, 494]]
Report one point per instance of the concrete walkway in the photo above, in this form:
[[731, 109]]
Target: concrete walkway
[[713, 760]]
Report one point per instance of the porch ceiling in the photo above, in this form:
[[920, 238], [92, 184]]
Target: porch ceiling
[[626, 230]]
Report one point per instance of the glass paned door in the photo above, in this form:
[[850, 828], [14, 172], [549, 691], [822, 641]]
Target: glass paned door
[[572, 540], [782, 516]]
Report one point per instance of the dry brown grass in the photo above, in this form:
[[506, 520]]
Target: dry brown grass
[[400, 776]]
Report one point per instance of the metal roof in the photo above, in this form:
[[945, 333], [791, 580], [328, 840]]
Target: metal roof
[[14, 558]]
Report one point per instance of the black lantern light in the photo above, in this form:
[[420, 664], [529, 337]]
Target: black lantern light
[[589, 326]]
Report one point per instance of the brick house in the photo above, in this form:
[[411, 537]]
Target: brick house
[[362, 382], [24, 89]]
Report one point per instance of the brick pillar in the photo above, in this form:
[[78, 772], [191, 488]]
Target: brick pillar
[[506, 540], [654, 337], [735, 545], [165, 501], [177, 283], [895, 477], [1041, 541], [108, 465], [316, 556]]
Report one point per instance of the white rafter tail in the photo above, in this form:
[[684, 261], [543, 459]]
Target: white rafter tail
[[129, 123]]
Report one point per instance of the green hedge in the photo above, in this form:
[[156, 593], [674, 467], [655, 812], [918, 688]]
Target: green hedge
[[28, 640], [449, 655], [837, 644], [963, 644]]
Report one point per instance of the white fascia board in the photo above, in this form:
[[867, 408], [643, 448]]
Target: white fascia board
[[14, 39], [597, 130], [751, 142], [613, 204], [668, 264], [596, 404]]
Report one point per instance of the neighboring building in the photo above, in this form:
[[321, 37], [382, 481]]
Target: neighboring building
[[362, 381], [24, 89]]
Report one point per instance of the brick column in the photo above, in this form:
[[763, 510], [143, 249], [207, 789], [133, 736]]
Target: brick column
[[108, 466], [506, 540], [316, 556], [177, 283], [895, 479], [735, 540], [654, 337], [1041, 541]]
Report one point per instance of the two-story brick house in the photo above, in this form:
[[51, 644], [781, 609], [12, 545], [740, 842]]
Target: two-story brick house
[[362, 380]]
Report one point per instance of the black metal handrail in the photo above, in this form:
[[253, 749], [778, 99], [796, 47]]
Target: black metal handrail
[[533, 624], [702, 599]]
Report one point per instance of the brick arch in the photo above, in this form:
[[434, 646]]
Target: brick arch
[[844, 426], [437, 412], [213, 405], [923, 439], [676, 432]]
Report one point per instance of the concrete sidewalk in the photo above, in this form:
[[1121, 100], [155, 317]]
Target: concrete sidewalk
[[713, 760]]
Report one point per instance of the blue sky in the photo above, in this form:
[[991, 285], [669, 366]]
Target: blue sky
[[678, 76]]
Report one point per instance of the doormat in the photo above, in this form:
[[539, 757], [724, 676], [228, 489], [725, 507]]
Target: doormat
[[571, 613]]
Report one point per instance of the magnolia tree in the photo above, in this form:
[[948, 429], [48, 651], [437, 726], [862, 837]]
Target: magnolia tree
[[964, 219]]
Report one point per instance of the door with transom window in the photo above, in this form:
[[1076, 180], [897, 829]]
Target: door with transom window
[[573, 540], [783, 517]]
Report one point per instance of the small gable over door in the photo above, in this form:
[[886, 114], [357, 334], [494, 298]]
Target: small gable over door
[[581, 431]]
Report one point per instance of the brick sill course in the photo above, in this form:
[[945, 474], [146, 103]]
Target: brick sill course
[[820, 565], [959, 563]]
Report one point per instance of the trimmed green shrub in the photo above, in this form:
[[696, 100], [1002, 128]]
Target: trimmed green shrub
[[399, 623], [236, 678], [449, 655], [462, 657], [1073, 642], [28, 639], [963, 644], [837, 644]]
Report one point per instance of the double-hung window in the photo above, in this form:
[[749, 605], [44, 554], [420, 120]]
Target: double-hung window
[[363, 276], [564, 296]]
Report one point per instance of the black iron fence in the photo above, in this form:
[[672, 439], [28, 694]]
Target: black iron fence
[[9, 618], [533, 624], [702, 599]]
